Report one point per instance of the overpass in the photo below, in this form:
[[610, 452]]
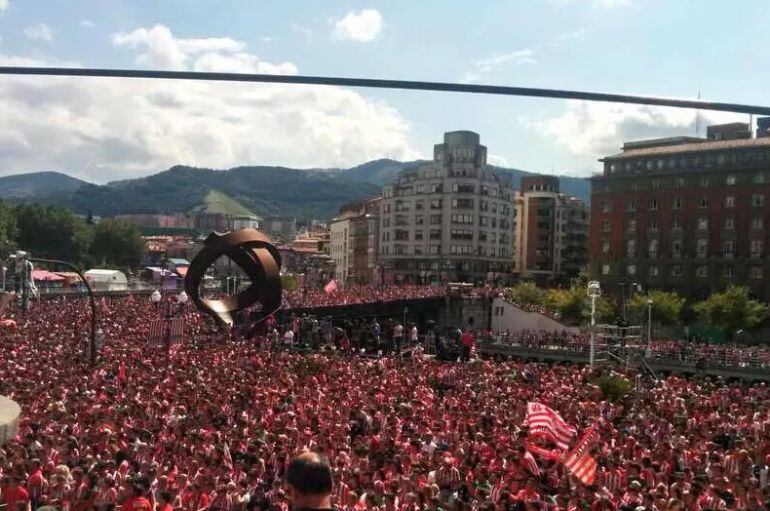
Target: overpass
[[579, 354]]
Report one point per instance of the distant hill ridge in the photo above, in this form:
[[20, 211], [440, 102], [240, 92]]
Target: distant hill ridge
[[263, 190]]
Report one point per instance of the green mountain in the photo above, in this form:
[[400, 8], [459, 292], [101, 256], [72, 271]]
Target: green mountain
[[217, 202], [37, 184], [266, 191]]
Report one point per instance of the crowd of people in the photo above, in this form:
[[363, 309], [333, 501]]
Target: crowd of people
[[213, 425], [351, 294], [725, 354]]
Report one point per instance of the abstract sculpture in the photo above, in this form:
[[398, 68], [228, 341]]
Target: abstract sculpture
[[252, 251]]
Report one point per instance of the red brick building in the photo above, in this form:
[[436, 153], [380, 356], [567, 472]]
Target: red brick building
[[685, 214]]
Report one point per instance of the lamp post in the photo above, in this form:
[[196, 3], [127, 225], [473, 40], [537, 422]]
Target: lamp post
[[168, 315], [5, 270], [648, 350], [594, 291]]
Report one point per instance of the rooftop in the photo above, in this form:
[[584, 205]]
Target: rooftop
[[691, 147]]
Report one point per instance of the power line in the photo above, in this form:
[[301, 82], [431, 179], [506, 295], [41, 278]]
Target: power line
[[389, 84]]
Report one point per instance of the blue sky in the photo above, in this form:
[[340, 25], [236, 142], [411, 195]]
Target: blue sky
[[115, 129]]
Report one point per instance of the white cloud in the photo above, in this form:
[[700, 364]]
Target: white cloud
[[497, 160], [302, 30], [39, 32], [87, 23], [119, 128], [514, 58], [363, 26], [591, 130], [4, 5], [569, 36]]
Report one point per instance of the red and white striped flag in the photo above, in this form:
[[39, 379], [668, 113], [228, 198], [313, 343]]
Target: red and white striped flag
[[157, 333], [177, 328], [330, 287], [580, 462], [541, 418]]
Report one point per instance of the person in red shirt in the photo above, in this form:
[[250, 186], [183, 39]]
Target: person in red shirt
[[36, 484], [164, 501], [137, 501], [467, 340], [14, 496]]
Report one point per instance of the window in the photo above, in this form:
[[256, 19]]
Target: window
[[728, 248], [605, 269], [703, 202], [704, 181], [400, 249], [483, 221], [631, 269], [757, 222], [631, 225], [755, 249], [759, 179], [434, 249], [702, 272], [727, 272], [652, 204], [655, 184], [462, 203], [418, 235], [435, 204], [676, 270], [418, 250], [676, 248], [730, 180], [730, 201], [653, 271], [463, 188], [649, 164], [758, 200], [461, 249], [631, 248], [660, 163], [606, 207], [702, 248], [462, 218], [676, 225], [461, 234], [678, 182], [605, 246], [729, 223], [606, 226], [386, 222], [634, 186], [756, 272], [677, 203], [419, 220], [631, 206], [653, 227], [435, 220], [652, 248], [703, 223]]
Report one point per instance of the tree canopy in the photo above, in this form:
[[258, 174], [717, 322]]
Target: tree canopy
[[666, 307], [731, 310]]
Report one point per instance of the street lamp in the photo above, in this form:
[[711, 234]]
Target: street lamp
[[594, 291], [648, 350]]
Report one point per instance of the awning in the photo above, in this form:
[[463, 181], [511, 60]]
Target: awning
[[46, 276]]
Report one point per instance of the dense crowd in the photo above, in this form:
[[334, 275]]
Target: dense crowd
[[213, 426], [725, 354], [303, 298]]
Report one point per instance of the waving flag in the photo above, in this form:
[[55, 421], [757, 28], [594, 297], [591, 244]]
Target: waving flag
[[330, 287], [542, 420], [579, 462]]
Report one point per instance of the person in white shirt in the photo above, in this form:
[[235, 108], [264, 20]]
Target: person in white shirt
[[398, 338], [414, 335], [288, 338]]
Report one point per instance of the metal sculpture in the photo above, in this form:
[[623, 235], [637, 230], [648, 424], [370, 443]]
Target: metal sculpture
[[253, 252]]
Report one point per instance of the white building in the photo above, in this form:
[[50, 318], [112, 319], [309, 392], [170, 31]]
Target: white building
[[450, 219]]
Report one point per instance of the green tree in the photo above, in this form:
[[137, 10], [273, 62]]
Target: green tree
[[666, 307], [117, 242], [571, 304], [8, 229], [732, 310], [526, 293], [51, 231]]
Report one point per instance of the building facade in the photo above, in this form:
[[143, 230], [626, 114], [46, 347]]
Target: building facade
[[448, 220], [551, 232], [355, 242], [684, 214]]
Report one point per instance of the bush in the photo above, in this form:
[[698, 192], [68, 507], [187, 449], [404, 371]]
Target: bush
[[614, 387]]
